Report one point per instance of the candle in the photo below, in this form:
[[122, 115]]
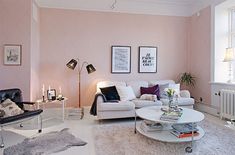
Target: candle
[[49, 88], [60, 90], [43, 89]]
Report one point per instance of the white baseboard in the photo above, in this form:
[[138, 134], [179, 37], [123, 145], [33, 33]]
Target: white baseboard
[[207, 109]]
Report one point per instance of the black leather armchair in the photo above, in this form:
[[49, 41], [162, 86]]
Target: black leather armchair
[[16, 96]]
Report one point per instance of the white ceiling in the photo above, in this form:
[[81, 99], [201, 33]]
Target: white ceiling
[[155, 7]]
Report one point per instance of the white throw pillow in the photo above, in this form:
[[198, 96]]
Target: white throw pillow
[[126, 93], [163, 87], [150, 97], [176, 87], [10, 108]]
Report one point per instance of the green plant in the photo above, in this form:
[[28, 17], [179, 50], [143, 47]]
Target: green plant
[[188, 79]]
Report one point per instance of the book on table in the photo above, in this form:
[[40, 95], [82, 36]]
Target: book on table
[[171, 116], [149, 126], [184, 135], [184, 130]]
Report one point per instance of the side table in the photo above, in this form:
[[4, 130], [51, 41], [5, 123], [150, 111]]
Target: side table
[[40, 102]]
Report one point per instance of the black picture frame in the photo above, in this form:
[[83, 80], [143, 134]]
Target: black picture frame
[[51, 94], [120, 59], [147, 59]]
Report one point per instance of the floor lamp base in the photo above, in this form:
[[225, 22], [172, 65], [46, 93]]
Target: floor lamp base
[[77, 112]]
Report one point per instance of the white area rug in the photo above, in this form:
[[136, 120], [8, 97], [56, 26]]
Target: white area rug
[[119, 139], [45, 144]]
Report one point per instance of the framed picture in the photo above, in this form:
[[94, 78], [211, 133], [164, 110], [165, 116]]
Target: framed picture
[[147, 59], [12, 55], [121, 59], [51, 94]]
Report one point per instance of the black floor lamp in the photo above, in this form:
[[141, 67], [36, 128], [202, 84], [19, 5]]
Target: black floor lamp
[[90, 69]]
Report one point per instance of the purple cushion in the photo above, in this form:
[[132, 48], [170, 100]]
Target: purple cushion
[[154, 90]]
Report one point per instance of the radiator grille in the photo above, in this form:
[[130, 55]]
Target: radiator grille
[[227, 104]]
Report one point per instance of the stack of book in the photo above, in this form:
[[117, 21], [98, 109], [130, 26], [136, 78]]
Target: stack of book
[[148, 126], [171, 116], [184, 130]]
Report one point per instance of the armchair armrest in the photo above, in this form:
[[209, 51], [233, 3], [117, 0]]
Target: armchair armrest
[[100, 98], [185, 94], [30, 103]]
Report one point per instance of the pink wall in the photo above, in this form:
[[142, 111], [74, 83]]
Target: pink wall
[[15, 25], [200, 53], [35, 52], [87, 35]]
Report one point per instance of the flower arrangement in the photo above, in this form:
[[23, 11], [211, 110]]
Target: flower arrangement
[[170, 92]]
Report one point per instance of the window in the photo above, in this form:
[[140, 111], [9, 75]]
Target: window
[[231, 32]]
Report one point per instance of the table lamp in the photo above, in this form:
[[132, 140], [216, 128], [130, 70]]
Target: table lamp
[[90, 69]]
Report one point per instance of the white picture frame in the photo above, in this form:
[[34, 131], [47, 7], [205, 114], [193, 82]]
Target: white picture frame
[[121, 60], [147, 59], [12, 55]]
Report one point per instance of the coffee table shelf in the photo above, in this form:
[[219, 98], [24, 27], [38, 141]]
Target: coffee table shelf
[[166, 136], [154, 113]]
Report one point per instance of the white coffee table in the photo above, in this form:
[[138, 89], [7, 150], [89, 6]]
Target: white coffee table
[[154, 113]]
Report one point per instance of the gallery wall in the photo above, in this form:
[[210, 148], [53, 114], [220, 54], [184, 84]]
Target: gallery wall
[[88, 35]]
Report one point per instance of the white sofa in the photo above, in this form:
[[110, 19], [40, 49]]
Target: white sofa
[[110, 110]]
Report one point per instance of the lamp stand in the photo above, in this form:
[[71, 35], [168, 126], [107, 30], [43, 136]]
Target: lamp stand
[[80, 109], [230, 72], [90, 68]]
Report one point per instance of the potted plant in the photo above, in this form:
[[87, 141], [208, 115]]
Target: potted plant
[[187, 79]]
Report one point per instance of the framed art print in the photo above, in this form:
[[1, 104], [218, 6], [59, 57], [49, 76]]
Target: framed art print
[[147, 59], [121, 59], [51, 94], [12, 55]]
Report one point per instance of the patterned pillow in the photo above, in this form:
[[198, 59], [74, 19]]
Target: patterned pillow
[[10, 108], [149, 97]]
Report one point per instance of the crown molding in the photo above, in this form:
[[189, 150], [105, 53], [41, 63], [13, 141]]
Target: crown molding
[[152, 7]]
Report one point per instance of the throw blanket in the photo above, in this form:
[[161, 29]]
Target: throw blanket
[[93, 110]]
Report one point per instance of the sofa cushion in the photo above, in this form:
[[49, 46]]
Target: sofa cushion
[[162, 88], [161, 82], [104, 84], [110, 93], [143, 103], [125, 93], [181, 101], [120, 106], [148, 97], [136, 86], [154, 90]]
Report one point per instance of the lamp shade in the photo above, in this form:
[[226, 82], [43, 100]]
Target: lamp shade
[[229, 56], [72, 64], [90, 68]]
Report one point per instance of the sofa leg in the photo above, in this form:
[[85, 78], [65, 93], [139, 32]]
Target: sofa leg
[[2, 143], [40, 124]]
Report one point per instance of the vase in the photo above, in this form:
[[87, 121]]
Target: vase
[[170, 101]]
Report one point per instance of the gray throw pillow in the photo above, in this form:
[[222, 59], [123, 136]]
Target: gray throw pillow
[[162, 90]]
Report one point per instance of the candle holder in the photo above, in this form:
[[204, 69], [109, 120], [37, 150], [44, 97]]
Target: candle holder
[[60, 97], [43, 98]]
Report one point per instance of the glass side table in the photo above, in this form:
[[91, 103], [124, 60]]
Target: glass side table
[[62, 101]]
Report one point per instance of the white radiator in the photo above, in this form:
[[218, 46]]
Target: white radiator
[[227, 104]]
